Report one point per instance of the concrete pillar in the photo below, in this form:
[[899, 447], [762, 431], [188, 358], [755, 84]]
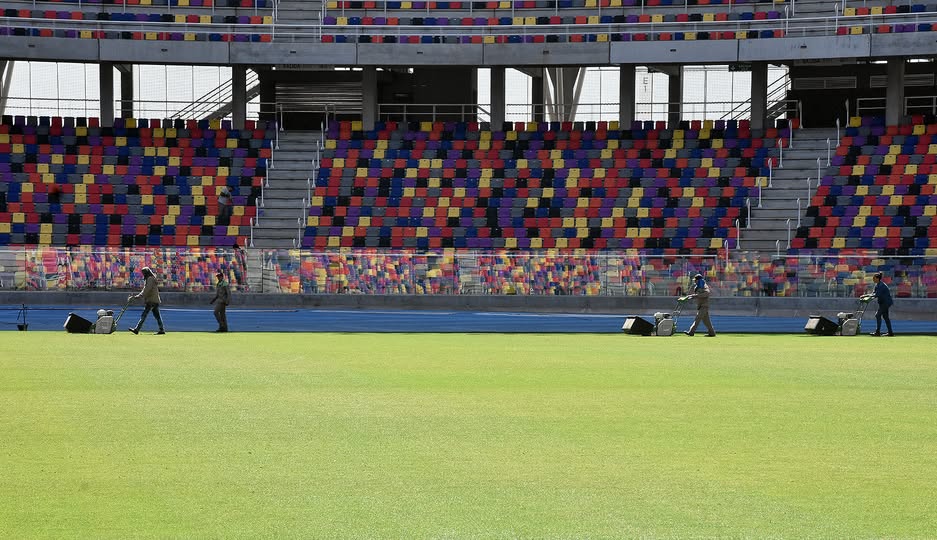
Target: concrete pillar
[[759, 109], [894, 97], [369, 97], [626, 95], [498, 105], [536, 97], [106, 90], [6, 78], [238, 96], [675, 96], [126, 91]]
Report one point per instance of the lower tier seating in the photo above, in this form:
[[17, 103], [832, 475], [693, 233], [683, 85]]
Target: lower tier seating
[[881, 193], [548, 185], [67, 181]]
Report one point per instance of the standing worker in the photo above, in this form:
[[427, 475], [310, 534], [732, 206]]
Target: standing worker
[[883, 295], [701, 293], [223, 298], [151, 301]]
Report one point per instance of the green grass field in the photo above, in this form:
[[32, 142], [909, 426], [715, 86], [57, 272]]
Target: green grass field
[[466, 436]]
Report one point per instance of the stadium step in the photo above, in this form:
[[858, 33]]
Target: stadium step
[[287, 188], [779, 202]]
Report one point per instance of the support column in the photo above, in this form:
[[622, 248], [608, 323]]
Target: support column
[[238, 96], [126, 90], [536, 98], [369, 97], [498, 105], [626, 95], [894, 97], [675, 96], [6, 78], [106, 91], [759, 101]]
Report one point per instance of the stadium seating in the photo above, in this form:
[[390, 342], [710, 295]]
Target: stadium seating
[[145, 26], [547, 185], [70, 182], [191, 269], [884, 195]]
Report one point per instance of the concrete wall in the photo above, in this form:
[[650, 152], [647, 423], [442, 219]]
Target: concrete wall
[[904, 308], [541, 54]]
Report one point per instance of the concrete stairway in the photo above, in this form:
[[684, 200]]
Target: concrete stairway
[[769, 222], [299, 12], [281, 212]]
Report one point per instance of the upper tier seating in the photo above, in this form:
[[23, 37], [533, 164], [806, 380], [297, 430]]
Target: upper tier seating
[[593, 185], [174, 3], [146, 26], [524, 4], [66, 181], [883, 193]]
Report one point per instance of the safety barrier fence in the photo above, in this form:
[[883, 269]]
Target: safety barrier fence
[[459, 272]]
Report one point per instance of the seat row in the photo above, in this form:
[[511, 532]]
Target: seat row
[[469, 5], [508, 36], [354, 20], [174, 3], [175, 18]]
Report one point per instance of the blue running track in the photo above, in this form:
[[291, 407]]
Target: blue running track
[[52, 318]]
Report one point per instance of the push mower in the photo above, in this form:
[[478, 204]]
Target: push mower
[[850, 324]]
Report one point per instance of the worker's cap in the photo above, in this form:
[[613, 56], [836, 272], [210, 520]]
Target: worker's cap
[[698, 276]]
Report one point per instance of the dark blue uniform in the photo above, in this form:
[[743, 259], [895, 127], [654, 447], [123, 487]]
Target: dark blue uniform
[[883, 295]]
